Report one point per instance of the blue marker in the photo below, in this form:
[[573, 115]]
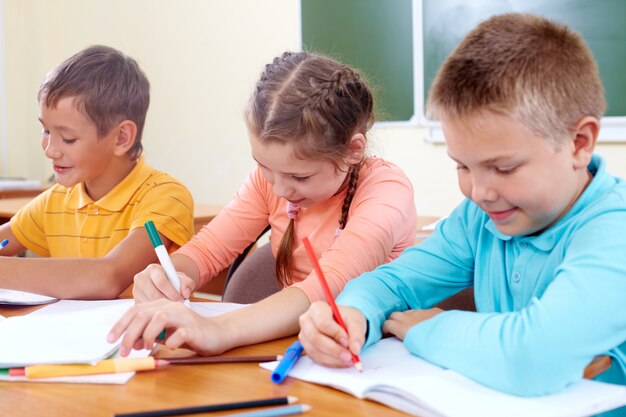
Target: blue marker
[[292, 354], [4, 243]]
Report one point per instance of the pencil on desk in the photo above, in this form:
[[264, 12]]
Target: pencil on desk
[[222, 359], [107, 366], [275, 412], [329, 296], [212, 407]]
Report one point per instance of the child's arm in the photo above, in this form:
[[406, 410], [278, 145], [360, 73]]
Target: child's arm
[[535, 349], [81, 278], [271, 318], [14, 247]]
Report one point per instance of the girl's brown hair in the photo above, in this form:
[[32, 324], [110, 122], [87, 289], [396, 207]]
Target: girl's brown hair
[[317, 105]]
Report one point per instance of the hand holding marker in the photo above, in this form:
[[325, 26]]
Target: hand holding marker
[[329, 296], [164, 257]]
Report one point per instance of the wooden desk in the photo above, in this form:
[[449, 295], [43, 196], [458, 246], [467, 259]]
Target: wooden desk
[[22, 192], [10, 206], [203, 213], [178, 386]]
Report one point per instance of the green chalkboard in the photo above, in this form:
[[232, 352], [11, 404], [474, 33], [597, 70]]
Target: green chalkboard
[[602, 23], [374, 36], [377, 37]]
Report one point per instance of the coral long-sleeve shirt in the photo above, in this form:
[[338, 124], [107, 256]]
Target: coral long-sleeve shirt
[[381, 224]]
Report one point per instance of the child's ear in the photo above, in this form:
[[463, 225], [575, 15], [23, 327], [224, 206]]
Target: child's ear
[[125, 138], [356, 149], [585, 139]]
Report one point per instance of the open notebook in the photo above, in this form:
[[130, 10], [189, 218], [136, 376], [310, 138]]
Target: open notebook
[[396, 378], [71, 331]]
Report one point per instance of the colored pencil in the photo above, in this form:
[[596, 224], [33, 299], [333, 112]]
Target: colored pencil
[[329, 296], [211, 407], [275, 412], [107, 366], [221, 359]]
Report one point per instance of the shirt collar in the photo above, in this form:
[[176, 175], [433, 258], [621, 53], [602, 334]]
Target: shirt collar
[[118, 197], [599, 184]]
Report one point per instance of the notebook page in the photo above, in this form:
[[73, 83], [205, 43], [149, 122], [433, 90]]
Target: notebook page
[[58, 334], [382, 363], [400, 380]]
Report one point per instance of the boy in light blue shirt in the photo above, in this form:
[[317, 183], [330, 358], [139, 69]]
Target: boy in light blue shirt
[[541, 235]]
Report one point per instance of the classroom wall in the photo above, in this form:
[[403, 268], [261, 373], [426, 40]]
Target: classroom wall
[[202, 58]]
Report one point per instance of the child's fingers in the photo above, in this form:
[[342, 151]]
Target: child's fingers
[[322, 321], [133, 324], [357, 327], [152, 284], [187, 285], [179, 338], [121, 325], [322, 338]]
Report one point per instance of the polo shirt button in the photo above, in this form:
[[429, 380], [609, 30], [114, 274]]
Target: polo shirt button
[[523, 245], [95, 211], [516, 276]]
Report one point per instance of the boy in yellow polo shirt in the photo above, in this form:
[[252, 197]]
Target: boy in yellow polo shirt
[[89, 226]]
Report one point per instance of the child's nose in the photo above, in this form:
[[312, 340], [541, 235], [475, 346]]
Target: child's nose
[[483, 191], [282, 189], [50, 149]]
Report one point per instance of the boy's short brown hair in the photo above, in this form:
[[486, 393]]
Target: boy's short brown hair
[[108, 87], [539, 72]]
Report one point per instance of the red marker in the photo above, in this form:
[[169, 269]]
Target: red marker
[[329, 296]]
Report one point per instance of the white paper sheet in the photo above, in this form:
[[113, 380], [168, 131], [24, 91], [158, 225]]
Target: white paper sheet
[[403, 381], [100, 314], [13, 297]]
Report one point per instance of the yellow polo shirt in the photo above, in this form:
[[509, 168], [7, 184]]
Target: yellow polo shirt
[[65, 222]]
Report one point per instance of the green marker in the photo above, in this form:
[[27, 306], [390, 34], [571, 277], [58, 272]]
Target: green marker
[[164, 257]]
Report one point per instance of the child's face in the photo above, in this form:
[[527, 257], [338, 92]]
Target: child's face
[[303, 182], [521, 180], [71, 142]]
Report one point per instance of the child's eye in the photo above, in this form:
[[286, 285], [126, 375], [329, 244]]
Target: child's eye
[[460, 167], [45, 132], [505, 170], [69, 141], [301, 179]]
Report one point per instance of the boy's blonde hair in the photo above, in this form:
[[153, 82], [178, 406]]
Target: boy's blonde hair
[[108, 87], [539, 72], [316, 104]]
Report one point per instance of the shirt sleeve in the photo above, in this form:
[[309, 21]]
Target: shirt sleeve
[[546, 345], [170, 206], [28, 225], [420, 277], [382, 221], [235, 227]]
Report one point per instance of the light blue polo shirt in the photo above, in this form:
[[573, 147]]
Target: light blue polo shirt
[[546, 304]]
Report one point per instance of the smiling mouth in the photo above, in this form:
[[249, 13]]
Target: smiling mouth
[[498, 216], [296, 201], [59, 169]]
